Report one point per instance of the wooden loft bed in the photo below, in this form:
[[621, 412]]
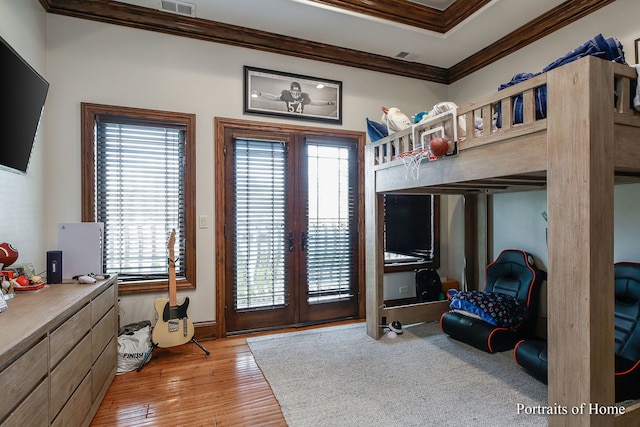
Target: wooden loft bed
[[589, 141]]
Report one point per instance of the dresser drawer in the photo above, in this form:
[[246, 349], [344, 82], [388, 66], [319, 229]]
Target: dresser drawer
[[69, 373], [102, 303], [102, 333], [33, 411], [19, 378], [103, 367], [78, 406], [67, 335]]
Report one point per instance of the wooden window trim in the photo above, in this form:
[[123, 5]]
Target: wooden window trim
[[89, 113], [247, 129]]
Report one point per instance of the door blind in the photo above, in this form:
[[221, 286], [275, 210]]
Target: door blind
[[261, 236], [140, 194], [331, 222]]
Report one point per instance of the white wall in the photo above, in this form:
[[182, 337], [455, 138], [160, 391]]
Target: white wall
[[24, 202], [517, 219], [618, 19], [107, 64]]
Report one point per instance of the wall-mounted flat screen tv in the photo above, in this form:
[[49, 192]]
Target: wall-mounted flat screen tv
[[22, 94]]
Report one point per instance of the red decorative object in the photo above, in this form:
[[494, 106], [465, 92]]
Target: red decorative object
[[8, 254], [23, 281], [31, 287]]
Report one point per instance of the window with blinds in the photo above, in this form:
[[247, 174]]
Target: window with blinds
[[140, 195], [331, 222], [261, 233], [263, 238]]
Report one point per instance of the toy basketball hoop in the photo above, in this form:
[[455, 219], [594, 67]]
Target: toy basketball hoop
[[412, 159], [424, 133]]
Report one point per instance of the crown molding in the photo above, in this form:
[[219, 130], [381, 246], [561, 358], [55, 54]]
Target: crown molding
[[412, 14], [117, 13]]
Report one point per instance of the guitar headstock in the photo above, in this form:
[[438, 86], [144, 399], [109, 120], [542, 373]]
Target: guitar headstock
[[171, 243]]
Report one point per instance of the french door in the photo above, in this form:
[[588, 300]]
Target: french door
[[292, 247]]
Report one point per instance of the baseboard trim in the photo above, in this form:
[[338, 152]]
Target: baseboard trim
[[205, 331]]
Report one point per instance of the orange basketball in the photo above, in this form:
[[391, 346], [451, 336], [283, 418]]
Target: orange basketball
[[439, 146]]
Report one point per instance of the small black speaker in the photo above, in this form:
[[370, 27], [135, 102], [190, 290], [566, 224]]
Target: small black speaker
[[54, 266], [428, 285]]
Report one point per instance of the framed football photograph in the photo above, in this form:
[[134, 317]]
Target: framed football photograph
[[276, 93]]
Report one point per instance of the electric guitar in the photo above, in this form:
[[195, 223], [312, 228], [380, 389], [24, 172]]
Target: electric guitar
[[173, 327]]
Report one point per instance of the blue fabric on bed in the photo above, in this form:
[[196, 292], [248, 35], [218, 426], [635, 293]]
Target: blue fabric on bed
[[609, 49], [495, 308], [376, 130], [517, 108]]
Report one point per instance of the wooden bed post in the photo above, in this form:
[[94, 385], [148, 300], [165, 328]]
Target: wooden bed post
[[580, 204], [477, 243], [374, 211]]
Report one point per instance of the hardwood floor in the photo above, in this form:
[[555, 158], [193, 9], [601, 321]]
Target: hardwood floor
[[181, 386]]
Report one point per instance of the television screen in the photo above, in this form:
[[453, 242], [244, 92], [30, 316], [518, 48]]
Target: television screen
[[23, 94]]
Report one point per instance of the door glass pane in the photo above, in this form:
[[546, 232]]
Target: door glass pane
[[330, 223], [260, 224]]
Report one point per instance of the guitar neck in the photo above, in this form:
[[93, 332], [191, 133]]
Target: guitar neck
[[173, 301], [172, 270]]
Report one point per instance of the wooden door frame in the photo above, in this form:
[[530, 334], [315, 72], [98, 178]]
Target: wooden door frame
[[224, 125]]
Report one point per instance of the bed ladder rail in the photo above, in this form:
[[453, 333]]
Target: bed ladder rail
[[484, 112], [625, 85]]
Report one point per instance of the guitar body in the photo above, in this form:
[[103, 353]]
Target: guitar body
[[173, 326]]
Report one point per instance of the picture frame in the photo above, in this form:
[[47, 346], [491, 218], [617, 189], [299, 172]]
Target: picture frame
[[636, 44], [281, 94]]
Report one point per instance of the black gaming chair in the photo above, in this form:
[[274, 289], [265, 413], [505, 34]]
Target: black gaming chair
[[513, 273], [532, 354]]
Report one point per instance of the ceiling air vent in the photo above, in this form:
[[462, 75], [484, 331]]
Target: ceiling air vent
[[407, 56], [434, 4], [179, 7]]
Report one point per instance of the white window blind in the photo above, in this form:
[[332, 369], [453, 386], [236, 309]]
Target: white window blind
[[140, 197]]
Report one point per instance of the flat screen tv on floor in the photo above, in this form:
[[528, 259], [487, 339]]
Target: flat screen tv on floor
[[22, 95]]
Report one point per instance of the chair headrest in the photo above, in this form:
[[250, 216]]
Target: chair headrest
[[627, 280], [627, 310], [513, 273]]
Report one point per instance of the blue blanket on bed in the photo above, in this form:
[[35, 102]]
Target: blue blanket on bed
[[609, 49], [495, 308]]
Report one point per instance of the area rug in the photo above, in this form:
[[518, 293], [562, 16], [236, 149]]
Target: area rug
[[339, 376]]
